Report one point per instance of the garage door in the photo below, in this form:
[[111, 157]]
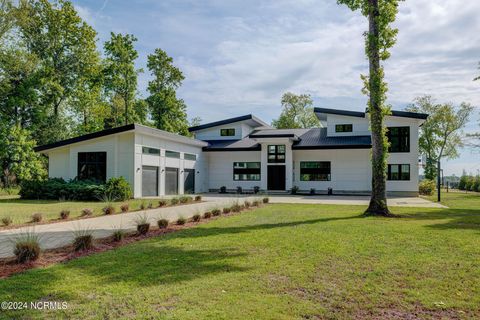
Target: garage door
[[171, 181], [149, 181], [189, 184]]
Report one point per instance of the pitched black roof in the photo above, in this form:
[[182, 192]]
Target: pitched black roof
[[395, 113], [227, 121]]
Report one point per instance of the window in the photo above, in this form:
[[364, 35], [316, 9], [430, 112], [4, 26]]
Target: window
[[398, 172], [315, 171], [188, 156], [399, 138], [343, 128], [172, 154], [152, 151], [246, 171], [92, 166], [227, 132], [276, 153]]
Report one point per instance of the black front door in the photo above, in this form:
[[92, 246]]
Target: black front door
[[276, 178], [189, 182]]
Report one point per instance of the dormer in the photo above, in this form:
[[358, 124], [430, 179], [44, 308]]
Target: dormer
[[229, 129]]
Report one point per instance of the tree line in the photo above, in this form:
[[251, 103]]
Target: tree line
[[56, 83]]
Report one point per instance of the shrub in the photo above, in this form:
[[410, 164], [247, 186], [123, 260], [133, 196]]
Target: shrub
[[186, 199], [86, 212], [196, 217], [207, 215], [236, 208], [470, 183], [247, 204], [150, 205], [313, 191], [256, 189], [476, 184], [27, 248], [54, 189], [162, 203], [109, 209], [162, 223], [256, 203], [239, 189], [223, 189], [142, 224], [226, 210], [37, 217], [216, 212], [294, 190], [64, 214], [181, 221], [125, 207], [119, 188], [142, 206], [6, 221], [426, 187], [83, 240], [174, 201], [198, 198], [118, 235], [266, 200], [462, 185]]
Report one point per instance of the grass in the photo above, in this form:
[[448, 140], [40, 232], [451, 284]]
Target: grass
[[21, 210], [278, 262]]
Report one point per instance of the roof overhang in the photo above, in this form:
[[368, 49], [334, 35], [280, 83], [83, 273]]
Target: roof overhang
[[322, 113], [249, 119]]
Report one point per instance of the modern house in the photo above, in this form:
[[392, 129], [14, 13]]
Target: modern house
[[244, 152]]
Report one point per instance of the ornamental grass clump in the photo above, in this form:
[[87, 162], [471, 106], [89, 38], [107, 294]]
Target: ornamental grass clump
[[37, 217], [227, 210], [266, 200], [86, 212], [162, 223], [198, 198], [236, 208], [247, 204], [207, 215], [162, 203], [181, 221], [118, 235], [256, 203], [142, 224], [125, 207], [186, 199], [6, 221], [109, 209], [27, 248], [64, 214], [216, 212], [174, 201], [196, 217], [83, 240]]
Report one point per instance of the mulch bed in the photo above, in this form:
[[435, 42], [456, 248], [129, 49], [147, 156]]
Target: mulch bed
[[9, 266]]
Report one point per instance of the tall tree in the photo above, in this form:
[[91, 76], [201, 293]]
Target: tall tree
[[441, 134], [121, 75], [379, 38], [168, 112], [66, 48], [297, 112]]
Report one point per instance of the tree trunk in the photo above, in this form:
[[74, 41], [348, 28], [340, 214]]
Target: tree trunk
[[378, 200]]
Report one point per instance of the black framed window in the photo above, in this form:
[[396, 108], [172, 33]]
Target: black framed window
[[399, 138], [343, 128], [315, 171], [230, 132], [172, 154], [189, 156], [246, 171], [151, 151], [92, 166], [398, 172], [276, 153]]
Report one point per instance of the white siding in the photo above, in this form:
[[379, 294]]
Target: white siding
[[241, 130], [58, 163], [360, 125]]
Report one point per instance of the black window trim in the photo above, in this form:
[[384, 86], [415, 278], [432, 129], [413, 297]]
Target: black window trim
[[259, 171], [97, 163], [399, 136], [227, 132], [389, 171], [276, 153], [329, 174], [343, 126]]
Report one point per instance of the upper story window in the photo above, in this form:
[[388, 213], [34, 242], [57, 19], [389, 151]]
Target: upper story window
[[227, 132], [172, 154], [152, 151], [398, 172], [399, 138], [92, 166], [276, 153], [189, 156], [315, 171], [343, 128]]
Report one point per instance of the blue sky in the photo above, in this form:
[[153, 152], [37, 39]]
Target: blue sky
[[239, 57]]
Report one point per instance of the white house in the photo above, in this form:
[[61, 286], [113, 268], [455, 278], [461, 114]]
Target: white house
[[244, 152]]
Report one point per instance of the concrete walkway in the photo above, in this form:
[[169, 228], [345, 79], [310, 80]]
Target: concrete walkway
[[60, 234]]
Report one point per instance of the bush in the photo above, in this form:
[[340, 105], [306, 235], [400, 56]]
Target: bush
[[162, 223], [256, 189], [247, 204], [109, 209], [186, 199], [266, 200], [6, 221], [226, 210], [118, 188], [125, 207], [239, 190], [476, 184], [37, 217], [64, 214], [174, 201], [142, 224], [27, 248], [196, 217], [55, 189], [462, 185], [223, 189], [83, 240], [216, 212], [313, 191], [198, 198], [294, 190], [236, 208], [118, 235], [207, 215], [181, 221], [86, 212], [149, 205], [162, 203], [256, 203], [470, 183], [426, 187]]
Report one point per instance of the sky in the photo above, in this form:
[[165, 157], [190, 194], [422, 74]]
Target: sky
[[240, 56]]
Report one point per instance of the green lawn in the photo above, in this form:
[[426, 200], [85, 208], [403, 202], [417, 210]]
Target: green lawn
[[21, 210], [278, 262]]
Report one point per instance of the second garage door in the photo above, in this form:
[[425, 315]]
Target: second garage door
[[171, 181]]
